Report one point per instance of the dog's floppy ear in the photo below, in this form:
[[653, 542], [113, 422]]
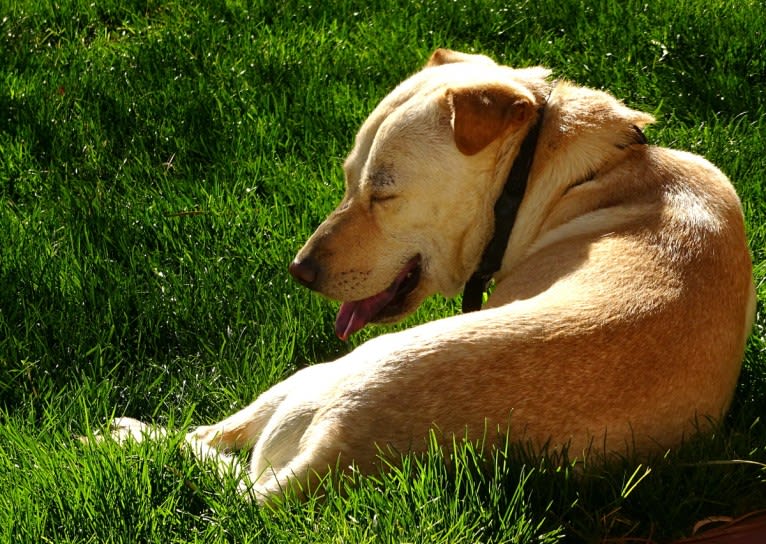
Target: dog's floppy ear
[[480, 115], [448, 56]]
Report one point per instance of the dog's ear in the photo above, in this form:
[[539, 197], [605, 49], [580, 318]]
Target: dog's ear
[[480, 115], [448, 56]]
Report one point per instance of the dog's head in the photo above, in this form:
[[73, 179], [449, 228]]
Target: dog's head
[[421, 182]]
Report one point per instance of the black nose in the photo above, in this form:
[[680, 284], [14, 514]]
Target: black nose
[[304, 271]]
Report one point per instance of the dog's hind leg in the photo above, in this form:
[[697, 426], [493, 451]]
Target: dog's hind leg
[[293, 457]]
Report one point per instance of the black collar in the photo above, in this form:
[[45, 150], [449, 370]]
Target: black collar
[[506, 207]]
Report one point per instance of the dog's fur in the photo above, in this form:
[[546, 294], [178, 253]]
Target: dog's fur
[[618, 318]]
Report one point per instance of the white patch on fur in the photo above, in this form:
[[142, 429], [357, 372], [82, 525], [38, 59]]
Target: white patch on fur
[[692, 210], [604, 220]]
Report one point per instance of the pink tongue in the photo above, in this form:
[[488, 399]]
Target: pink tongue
[[353, 316]]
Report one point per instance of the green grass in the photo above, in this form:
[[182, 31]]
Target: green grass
[[160, 164]]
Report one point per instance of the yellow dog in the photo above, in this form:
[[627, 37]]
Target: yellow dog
[[622, 300]]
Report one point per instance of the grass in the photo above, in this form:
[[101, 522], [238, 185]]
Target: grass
[[160, 164]]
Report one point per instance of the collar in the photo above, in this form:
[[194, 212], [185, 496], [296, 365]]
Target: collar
[[506, 207]]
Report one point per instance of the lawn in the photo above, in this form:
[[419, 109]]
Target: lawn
[[162, 161]]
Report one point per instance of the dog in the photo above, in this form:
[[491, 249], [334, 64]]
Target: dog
[[621, 284]]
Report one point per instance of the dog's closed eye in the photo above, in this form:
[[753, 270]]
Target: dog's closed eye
[[381, 182], [380, 198]]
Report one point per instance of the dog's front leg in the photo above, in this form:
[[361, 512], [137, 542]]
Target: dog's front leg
[[242, 429], [273, 425]]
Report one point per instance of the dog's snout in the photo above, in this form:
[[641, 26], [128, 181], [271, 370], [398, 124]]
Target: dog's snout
[[305, 271]]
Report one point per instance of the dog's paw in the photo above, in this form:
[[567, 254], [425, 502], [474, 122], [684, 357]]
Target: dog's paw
[[124, 429]]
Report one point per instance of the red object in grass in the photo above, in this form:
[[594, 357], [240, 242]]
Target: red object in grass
[[748, 529]]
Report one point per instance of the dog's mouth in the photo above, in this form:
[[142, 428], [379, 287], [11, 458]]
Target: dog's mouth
[[353, 316]]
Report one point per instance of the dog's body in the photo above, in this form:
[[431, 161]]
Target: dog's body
[[619, 315]]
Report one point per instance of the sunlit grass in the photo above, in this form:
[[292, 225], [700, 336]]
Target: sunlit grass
[[160, 164]]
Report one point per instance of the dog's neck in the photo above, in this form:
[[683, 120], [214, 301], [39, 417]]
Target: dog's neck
[[505, 210]]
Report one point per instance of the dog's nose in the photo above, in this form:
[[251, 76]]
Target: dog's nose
[[304, 271]]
